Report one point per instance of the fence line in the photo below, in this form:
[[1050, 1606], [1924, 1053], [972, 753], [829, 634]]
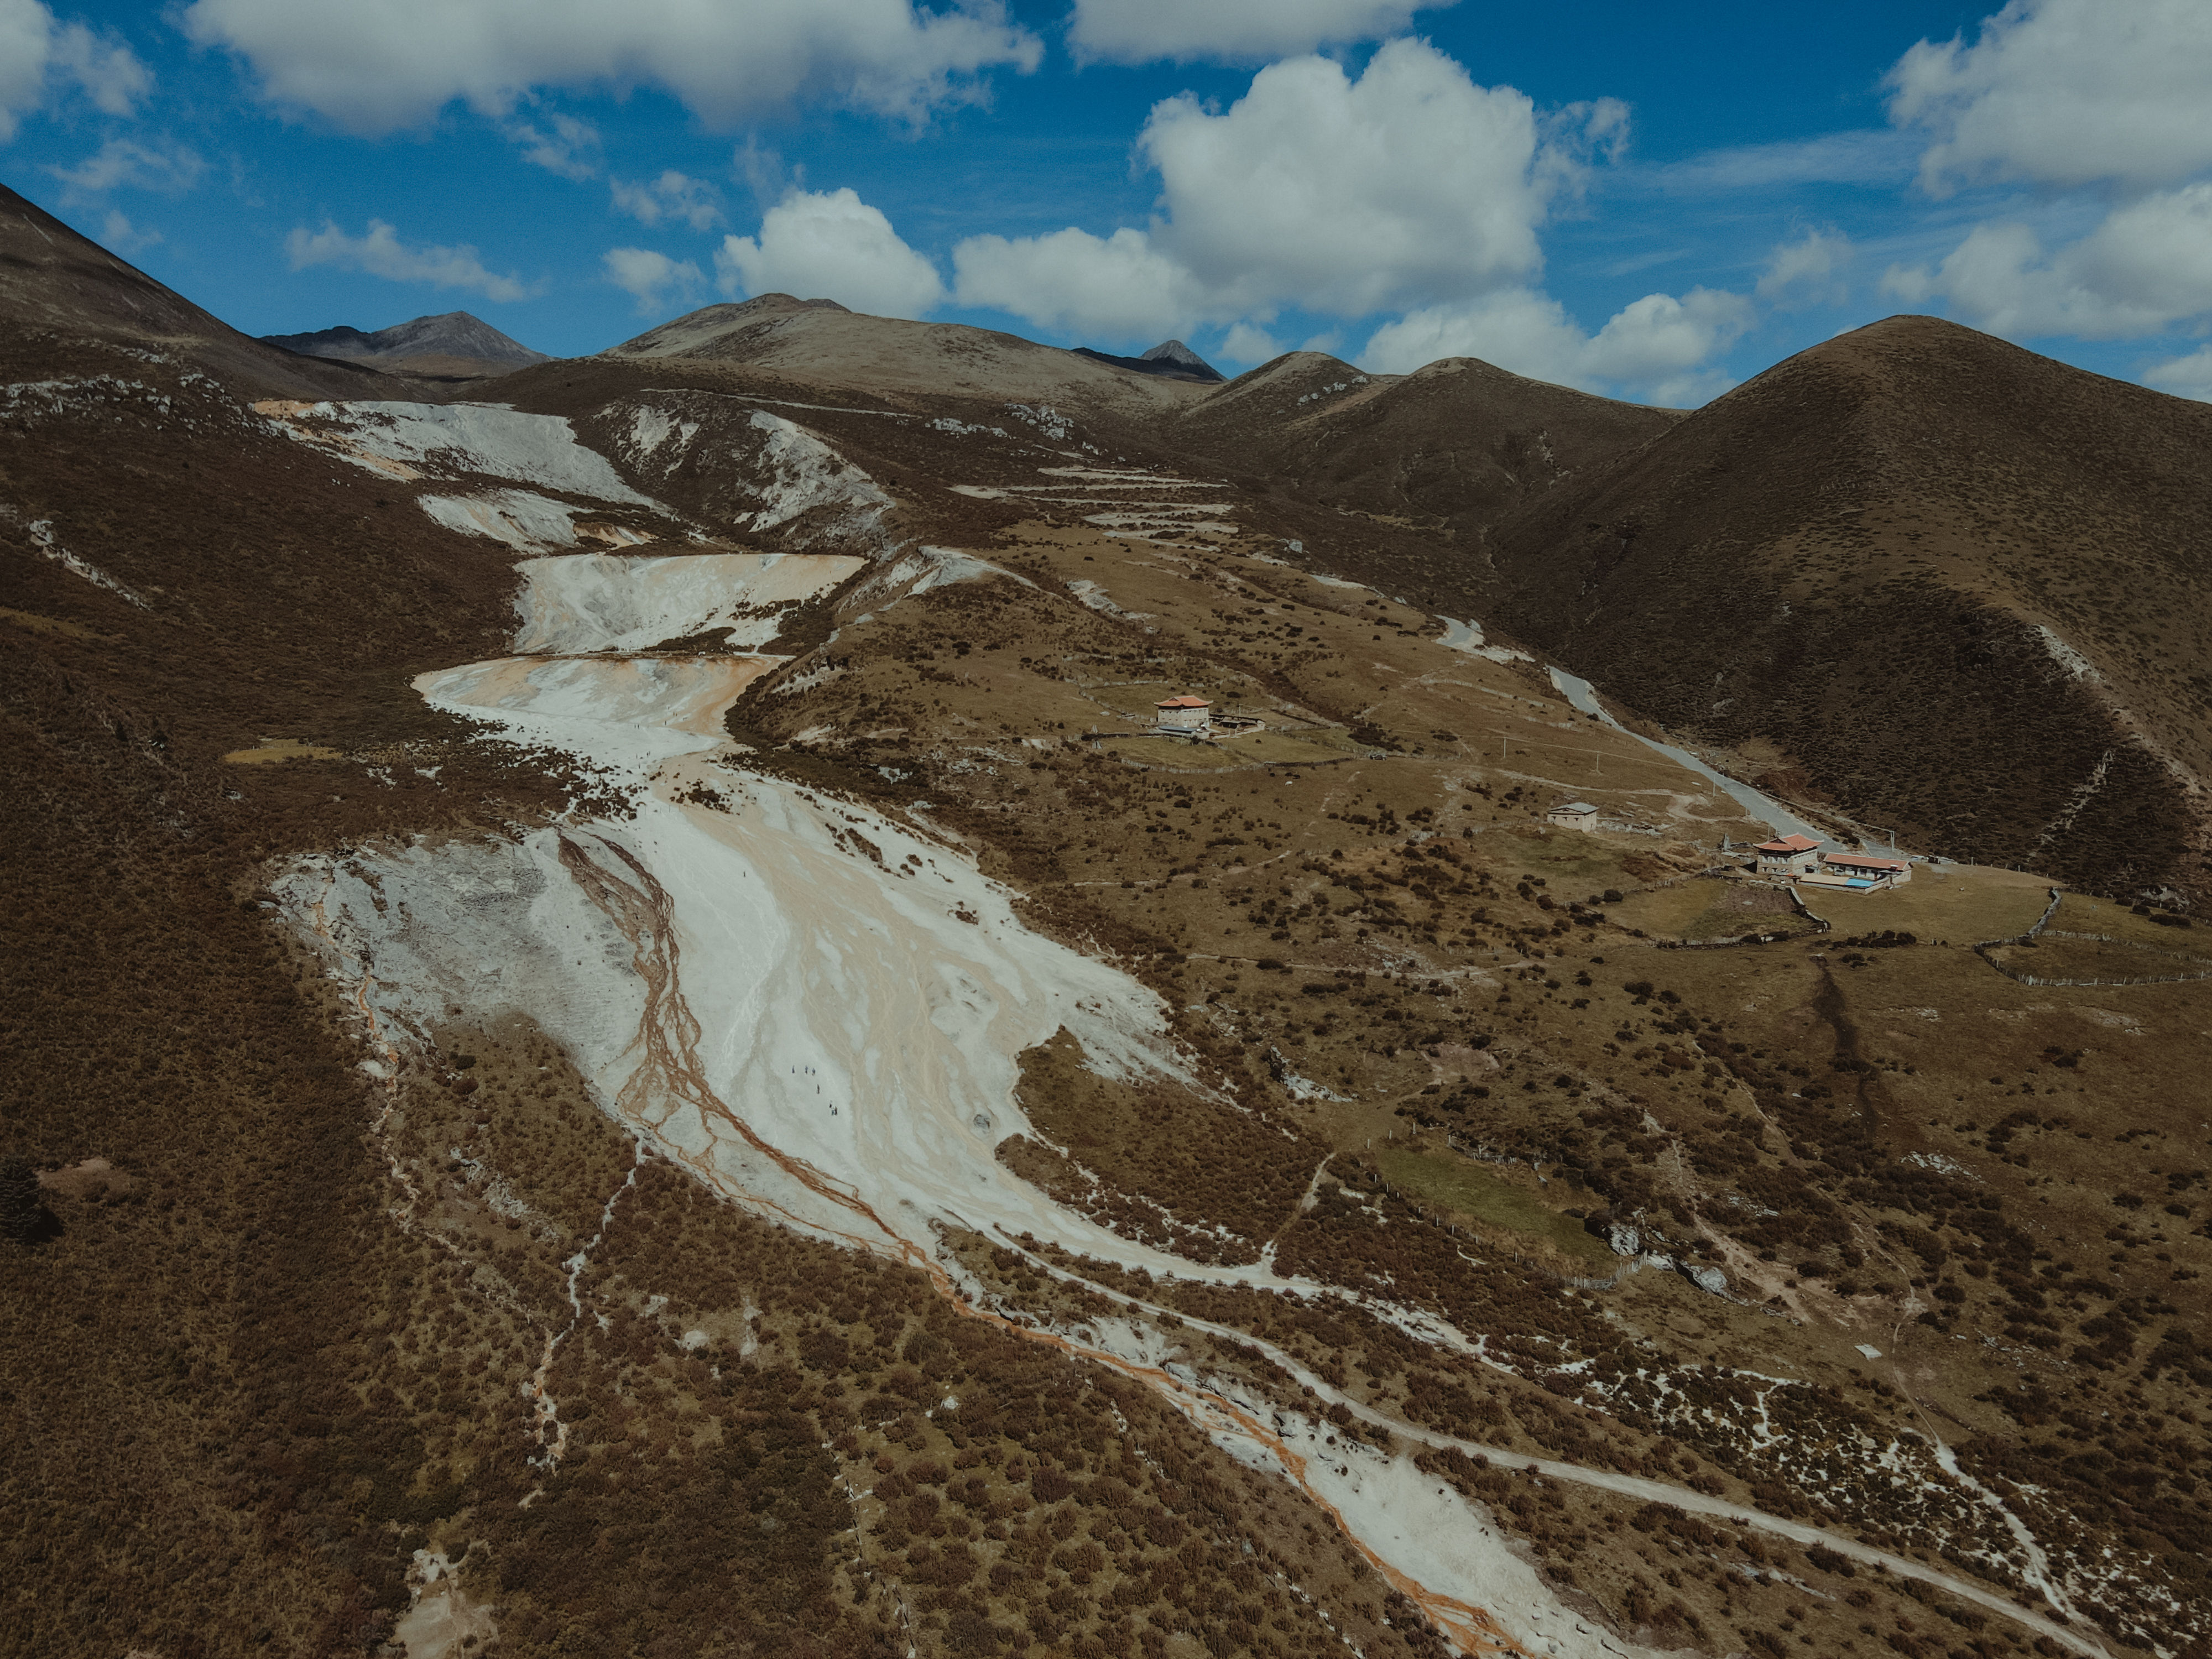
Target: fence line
[[2042, 923], [2159, 978], [1805, 910]]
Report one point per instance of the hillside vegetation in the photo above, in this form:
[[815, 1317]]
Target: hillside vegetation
[[516, 1152]]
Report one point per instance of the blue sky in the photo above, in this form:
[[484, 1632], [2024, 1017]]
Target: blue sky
[[1652, 202]]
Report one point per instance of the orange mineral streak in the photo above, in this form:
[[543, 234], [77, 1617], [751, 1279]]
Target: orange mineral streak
[[669, 1071]]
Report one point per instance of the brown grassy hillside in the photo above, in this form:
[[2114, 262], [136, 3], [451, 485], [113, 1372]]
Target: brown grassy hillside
[[58, 287], [277, 1328], [1962, 585], [1450, 447]]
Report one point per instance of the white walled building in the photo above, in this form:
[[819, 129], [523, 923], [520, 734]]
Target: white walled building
[[1186, 715]]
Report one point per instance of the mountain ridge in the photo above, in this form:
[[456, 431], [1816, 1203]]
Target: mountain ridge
[[52, 277], [1909, 510], [453, 344]]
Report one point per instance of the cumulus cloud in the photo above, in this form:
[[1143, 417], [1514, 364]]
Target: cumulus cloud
[[656, 282], [1408, 186], [2184, 376], [381, 253], [565, 145], [1145, 31], [38, 56], [2146, 267], [2064, 93], [1245, 344], [1658, 348], [672, 196], [1411, 183], [121, 163], [1122, 285], [1803, 272], [374, 66], [830, 245]]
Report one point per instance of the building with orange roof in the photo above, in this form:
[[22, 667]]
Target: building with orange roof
[[1792, 855], [1186, 715]]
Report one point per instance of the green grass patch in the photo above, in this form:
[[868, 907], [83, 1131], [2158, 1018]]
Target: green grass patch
[[1462, 1185]]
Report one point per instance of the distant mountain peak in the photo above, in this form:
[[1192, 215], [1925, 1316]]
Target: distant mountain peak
[[1175, 351], [452, 342], [1170, 357]]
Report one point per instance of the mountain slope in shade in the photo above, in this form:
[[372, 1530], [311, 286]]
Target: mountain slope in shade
[[58, 286], [451, 345], [1962, 587], [1454, 444], [1171, 358]]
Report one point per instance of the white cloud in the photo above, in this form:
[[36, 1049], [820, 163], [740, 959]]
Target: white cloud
[[1145, 31], [1409, 186], [672, 196], [381, 253], [565, 145], [830, 245], [1410, 183], [38, 56], [2184, 376], [2146, 267], [107, 70], [374, 66], [2065, 93], [1122, 286], [26, 31], [1840, 158], [1247, 344], [119, 163], [1803, 272], [655, 280], [1657, 349], [119, 235]]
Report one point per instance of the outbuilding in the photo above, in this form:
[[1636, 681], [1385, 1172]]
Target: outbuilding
[[1857, 867], [1573, 815]]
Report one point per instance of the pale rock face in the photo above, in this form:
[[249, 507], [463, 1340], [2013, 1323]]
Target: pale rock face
[[595, 602], [522, 518], [745, 468], [446, 440]]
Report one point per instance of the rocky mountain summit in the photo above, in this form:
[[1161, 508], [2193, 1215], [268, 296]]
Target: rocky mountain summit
[[1170, 357]]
